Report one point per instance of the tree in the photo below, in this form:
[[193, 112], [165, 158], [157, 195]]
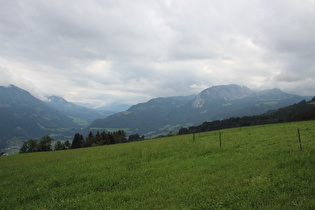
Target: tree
[[24, 148], [90, 140], [120, 136], [97, 134], [134, 137], [32, 145], [104, 138], [45, 144], [183, 131], [59, 146], [67, 144], [111, 138], [62, 146], [77, 141], [90, 135], [29, 146]]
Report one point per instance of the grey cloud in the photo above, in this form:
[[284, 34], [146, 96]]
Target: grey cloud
[[113, 50]]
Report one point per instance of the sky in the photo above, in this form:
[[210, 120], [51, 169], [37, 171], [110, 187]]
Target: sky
[[99, 52]]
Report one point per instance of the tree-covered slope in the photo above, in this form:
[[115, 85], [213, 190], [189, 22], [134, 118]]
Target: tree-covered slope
[[297, 112]]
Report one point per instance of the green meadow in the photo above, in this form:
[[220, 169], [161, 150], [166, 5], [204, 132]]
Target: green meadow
[[256, 167]]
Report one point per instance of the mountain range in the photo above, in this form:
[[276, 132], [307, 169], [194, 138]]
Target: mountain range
[[23, 116], [163, 115], [80, 115]]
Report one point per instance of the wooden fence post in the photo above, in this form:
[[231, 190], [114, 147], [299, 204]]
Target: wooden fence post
[[299, 137], [220, 139]]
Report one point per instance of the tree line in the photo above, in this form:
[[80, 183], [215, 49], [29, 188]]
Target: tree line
[[298, 112], [42, 145], [100, 138]]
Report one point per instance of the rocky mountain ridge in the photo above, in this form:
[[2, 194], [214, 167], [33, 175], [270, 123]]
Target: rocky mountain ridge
[[226, 92]]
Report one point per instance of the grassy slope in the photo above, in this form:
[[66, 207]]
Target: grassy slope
[[257, 167]]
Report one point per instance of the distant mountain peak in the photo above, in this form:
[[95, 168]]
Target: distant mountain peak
[[16, 88], [274, 93], [225, 92], [57, 99], [13, 86], [61, 103]]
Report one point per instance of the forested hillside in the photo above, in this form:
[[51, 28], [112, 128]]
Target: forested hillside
[[298, 112]]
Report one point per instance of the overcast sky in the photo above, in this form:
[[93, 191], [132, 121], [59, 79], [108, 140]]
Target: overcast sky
[[104, 51]]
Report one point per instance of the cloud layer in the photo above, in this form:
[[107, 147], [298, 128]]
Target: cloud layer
[[100, 52]]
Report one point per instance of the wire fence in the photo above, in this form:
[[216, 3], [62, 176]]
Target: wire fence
[[240, 137]]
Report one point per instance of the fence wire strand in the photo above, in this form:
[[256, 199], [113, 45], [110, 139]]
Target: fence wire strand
[[306, 137]]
